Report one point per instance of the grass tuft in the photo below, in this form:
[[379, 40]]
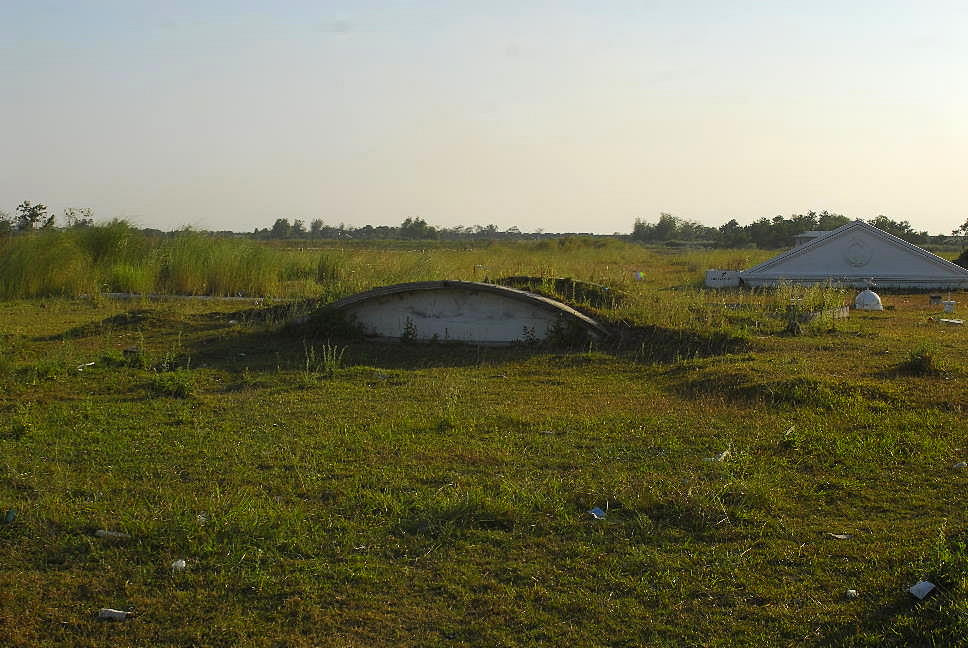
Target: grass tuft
[[923, 361], [179, 383]]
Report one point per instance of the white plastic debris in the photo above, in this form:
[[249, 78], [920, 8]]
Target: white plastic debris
[[722, 456], [86, 364], [597, 513], [839, 536], [960, 464], [178, 565], [951, 322], [110, 614], [921, 589], [116, 535], [852, 594]]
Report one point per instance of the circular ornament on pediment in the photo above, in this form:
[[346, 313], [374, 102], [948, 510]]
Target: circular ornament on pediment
[[858, 253]]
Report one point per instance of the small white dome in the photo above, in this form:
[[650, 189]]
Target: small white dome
[[868, 300]]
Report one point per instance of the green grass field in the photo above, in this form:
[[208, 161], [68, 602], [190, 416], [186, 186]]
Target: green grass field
[[326, 492]]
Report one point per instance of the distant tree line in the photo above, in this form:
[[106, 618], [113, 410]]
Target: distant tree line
[[32, 216], [409, 229], [768, 233]]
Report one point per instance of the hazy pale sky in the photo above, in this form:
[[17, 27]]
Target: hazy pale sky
[[565, 116]]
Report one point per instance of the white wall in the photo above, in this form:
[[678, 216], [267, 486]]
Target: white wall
[[454, 314]]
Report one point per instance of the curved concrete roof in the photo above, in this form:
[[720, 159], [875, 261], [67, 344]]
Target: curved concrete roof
[[471, 286]]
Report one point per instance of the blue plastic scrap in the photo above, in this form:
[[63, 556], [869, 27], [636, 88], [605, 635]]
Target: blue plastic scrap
[[597, 513]]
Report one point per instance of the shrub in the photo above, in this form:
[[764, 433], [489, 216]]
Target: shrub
[[177, 384], [963, 259], [922, 361], [114, 242]]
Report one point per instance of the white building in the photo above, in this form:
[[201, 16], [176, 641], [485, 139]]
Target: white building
[[853, 254]]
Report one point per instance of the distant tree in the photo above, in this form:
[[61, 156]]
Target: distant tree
[[643, 230], [417, 228], [732, 235], [827, 221], [961, 231], [962, 260], [778, 232], [316, 227], [28, 215], [281, 228], [6, 224], [900, 229], [78, 217], [671, 228], [666, 228], [298, 229]]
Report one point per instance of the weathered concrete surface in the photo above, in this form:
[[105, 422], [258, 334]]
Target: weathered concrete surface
[[722, 278], [462, 311]]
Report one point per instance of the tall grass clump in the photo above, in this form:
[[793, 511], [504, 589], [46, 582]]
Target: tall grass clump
[[131, 278], [330, 267], [113, 242], [44, 264], [121, 255], [923, 360], [192, 263]]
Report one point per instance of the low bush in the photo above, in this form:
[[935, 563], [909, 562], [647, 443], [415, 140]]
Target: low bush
[[922, 361], [176, 384]]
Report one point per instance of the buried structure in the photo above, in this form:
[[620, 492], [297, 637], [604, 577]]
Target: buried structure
[[851, 255], [463, 311]]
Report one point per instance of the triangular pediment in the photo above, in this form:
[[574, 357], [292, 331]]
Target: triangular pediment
[[856, 250]]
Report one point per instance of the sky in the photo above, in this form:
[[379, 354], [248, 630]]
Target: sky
[[559, 116]]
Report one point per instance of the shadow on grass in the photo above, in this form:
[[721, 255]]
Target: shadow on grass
[[452, 517], [741, 383], [129, 320], [269, 337]]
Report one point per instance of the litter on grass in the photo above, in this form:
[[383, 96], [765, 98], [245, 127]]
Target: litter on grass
[[961, 464], [839, 536], [852, 594], [178, 565], [722, 456], [9, 516], [86, 364], [109, 614], [114, 535], [921, 589], [597, 513]]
